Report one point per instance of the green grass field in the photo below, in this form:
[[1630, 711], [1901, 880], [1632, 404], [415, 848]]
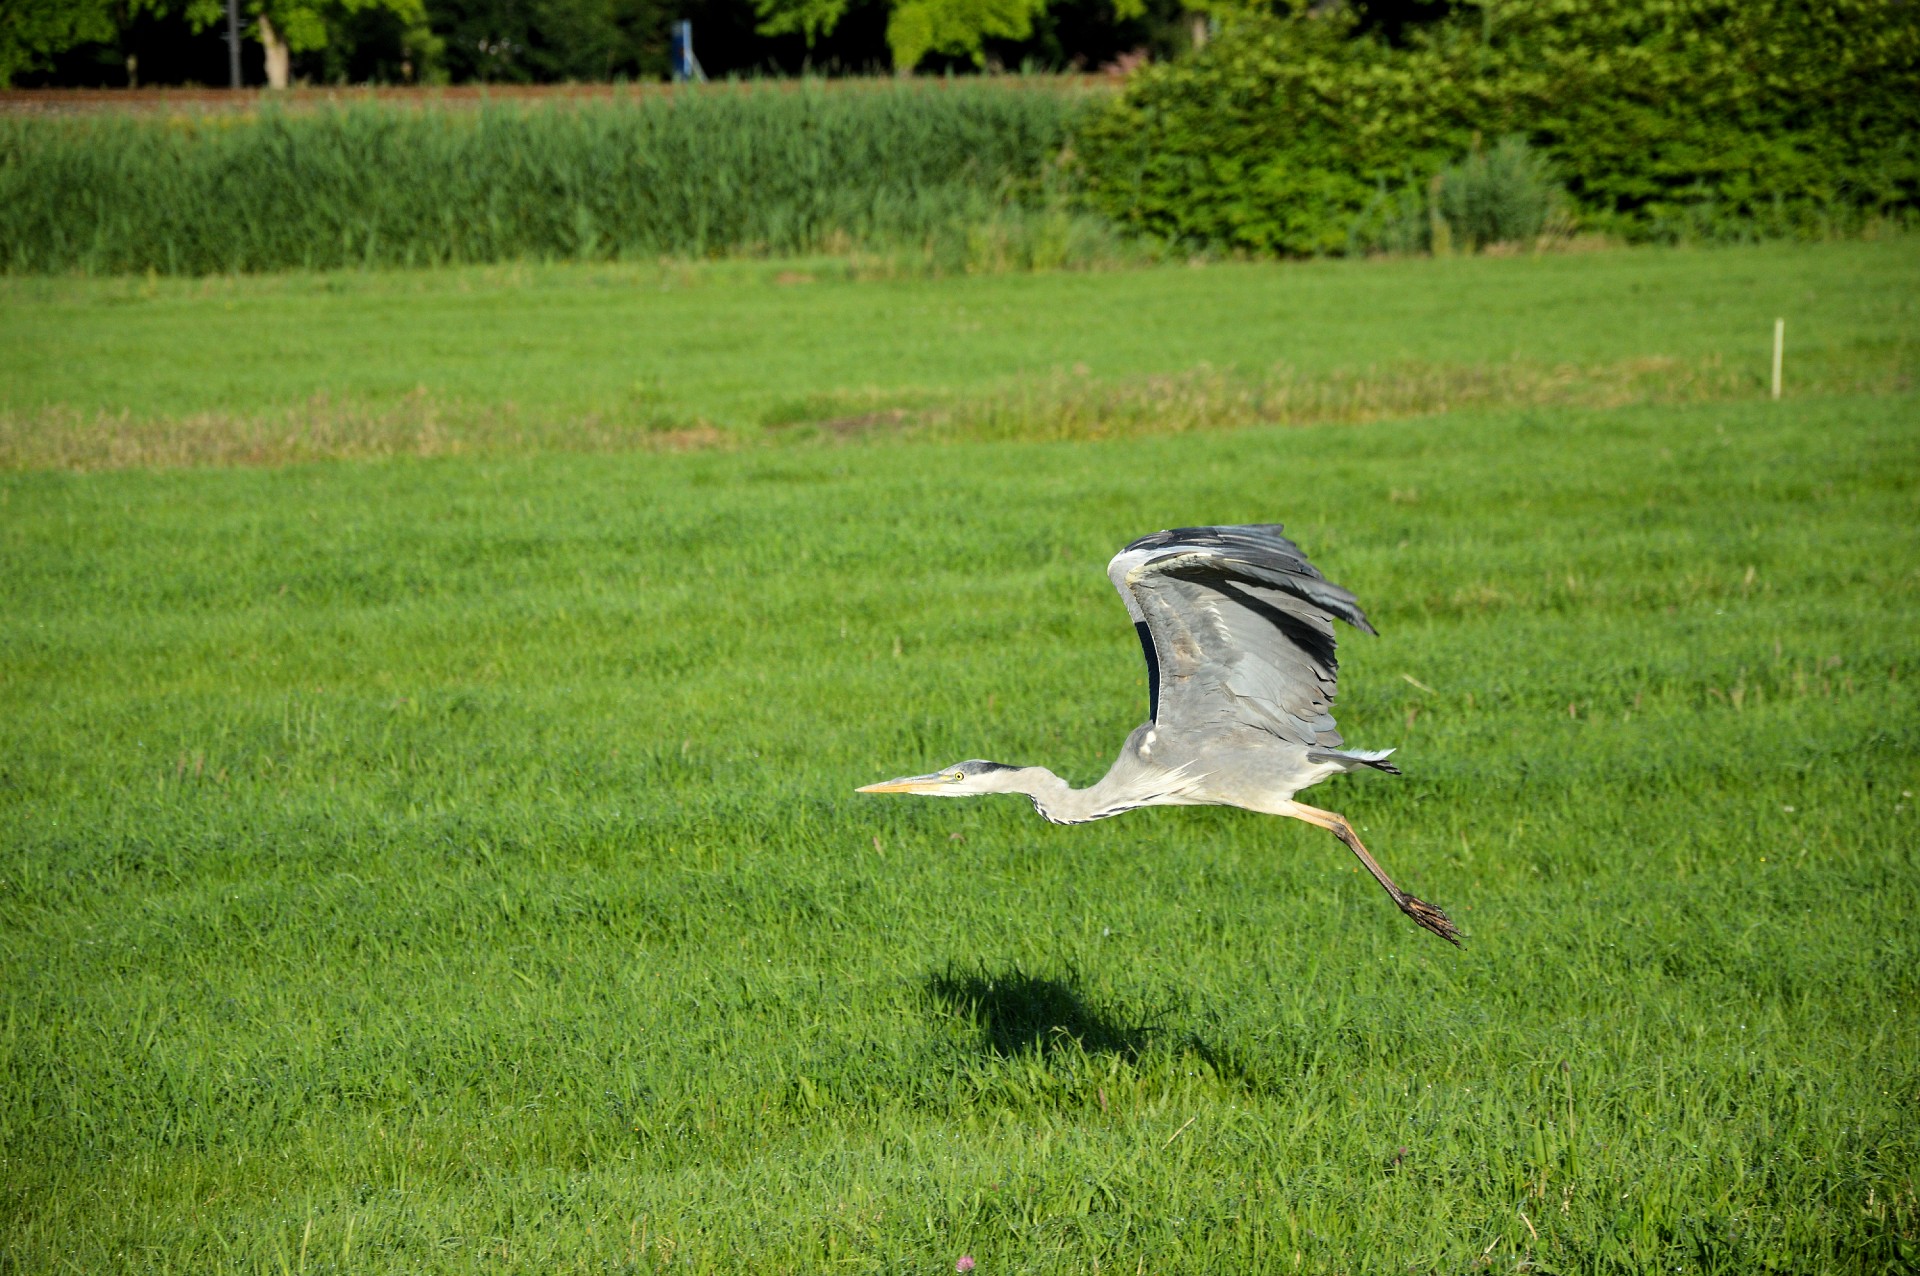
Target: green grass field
[[286, 367], [452, 864]]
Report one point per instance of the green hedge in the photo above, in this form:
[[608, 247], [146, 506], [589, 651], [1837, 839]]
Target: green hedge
[[1668, 119], [729, 169]]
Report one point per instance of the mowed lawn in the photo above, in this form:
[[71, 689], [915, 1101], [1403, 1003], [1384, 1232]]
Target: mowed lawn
[[453, 865]]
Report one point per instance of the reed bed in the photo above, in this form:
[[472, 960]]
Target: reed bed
[[731, 170]]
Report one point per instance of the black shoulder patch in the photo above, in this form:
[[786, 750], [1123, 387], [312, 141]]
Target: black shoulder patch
[[1153, 669]]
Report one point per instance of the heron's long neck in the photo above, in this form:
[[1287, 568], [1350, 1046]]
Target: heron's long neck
[[1061, 803]]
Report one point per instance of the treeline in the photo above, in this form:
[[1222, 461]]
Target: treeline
[[112, 43], [1317, 133]]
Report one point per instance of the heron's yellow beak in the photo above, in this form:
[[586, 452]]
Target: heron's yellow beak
[[908, 784]]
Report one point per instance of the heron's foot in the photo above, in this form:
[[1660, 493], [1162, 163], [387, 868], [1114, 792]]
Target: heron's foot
[[1430, 917]]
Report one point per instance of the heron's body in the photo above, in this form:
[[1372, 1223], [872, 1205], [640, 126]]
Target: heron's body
[[1262, 775], [1237, 629]]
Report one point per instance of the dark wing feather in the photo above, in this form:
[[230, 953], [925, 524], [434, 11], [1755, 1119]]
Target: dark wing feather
[[1237, 627]]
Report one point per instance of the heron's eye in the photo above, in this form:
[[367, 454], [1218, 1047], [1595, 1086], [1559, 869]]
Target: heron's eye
[[956, 777]]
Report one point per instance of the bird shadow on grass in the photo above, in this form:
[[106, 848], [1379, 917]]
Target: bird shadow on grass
[[1020, 1014]]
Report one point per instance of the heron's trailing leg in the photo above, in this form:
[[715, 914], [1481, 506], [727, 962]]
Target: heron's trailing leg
[[1421, 911]]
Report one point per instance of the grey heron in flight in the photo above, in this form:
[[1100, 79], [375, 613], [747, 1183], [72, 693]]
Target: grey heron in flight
[[1237, 628]]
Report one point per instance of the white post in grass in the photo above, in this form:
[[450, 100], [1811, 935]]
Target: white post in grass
[[1779, 352]]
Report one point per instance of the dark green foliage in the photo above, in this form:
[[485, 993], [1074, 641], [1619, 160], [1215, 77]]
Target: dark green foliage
[[732, 169], [76, 43], [1718, 119], [1689, 119], [34, 30], [548, 40], [1273, 138]]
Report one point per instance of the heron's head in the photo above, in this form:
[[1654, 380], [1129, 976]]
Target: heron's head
[[962, 779]]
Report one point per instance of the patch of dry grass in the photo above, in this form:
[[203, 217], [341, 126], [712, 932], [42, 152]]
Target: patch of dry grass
[[1072, 405], [320, 429], [1068, 407]]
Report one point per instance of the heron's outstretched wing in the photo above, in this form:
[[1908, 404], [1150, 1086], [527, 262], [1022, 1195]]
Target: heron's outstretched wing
[[1237, 627]]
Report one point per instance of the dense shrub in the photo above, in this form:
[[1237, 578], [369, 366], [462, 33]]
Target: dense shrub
[[1274, 138], [1669, 119], [725, 170]]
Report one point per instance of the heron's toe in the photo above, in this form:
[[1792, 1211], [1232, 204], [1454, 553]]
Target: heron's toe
[[1432, 918]]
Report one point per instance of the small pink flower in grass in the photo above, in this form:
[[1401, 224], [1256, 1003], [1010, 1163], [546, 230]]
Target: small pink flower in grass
[[965, 1264]]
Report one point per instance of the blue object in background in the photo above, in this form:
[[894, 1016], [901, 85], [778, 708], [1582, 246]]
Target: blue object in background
[[686, 67]]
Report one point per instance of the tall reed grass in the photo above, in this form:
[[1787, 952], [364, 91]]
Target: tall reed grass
[[736, 169], [1510, 195]]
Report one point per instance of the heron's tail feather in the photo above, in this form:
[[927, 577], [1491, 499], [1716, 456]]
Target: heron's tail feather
[[1354, 759]]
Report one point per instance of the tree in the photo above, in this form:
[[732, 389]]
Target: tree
[[287, 27], [33, 31], [532, 41], [919, 27], [916, 28]]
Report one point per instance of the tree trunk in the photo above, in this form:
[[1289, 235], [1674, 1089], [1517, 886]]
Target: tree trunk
[[1199, 30], [277, 54]]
